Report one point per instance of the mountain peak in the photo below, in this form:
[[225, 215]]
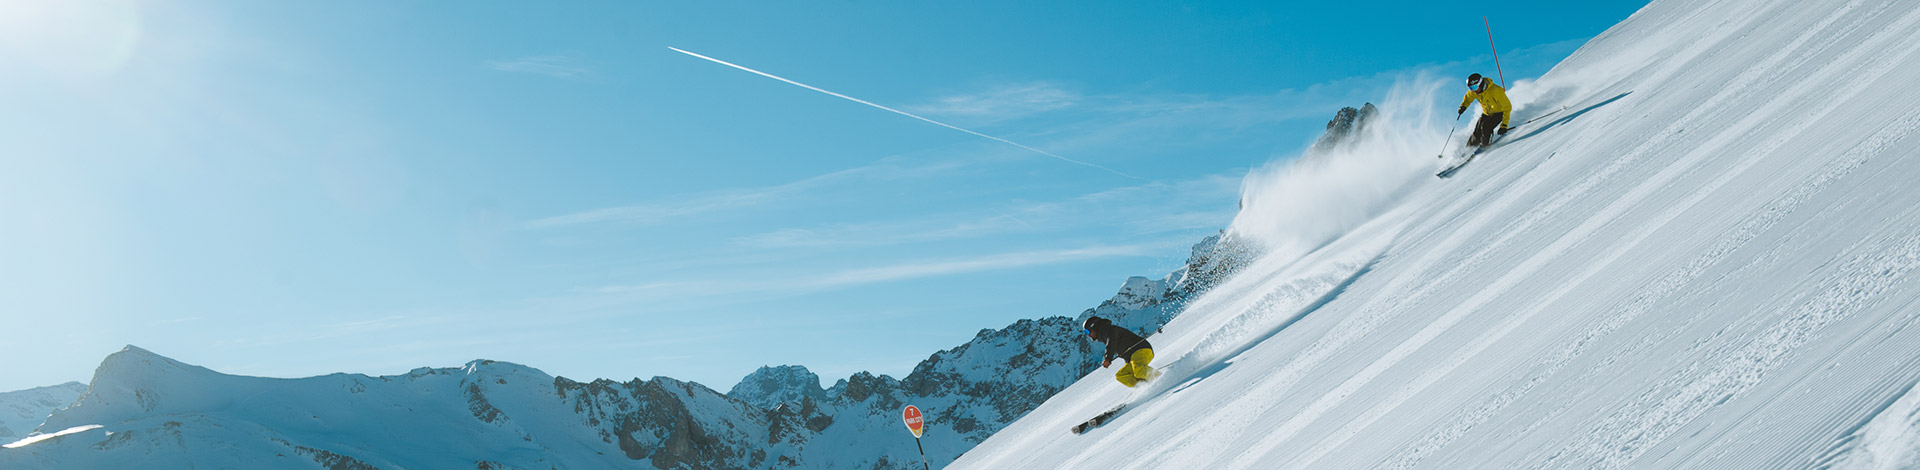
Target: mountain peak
[[771, 386], [1139, 292]]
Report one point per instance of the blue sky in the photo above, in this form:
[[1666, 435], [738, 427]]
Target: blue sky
[[300, 188]]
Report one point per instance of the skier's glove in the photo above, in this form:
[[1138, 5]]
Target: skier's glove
[[1105, 363], [1503, 130], [1463, 110]]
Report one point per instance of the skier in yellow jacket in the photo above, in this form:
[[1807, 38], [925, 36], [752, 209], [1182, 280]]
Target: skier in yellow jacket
[[1495, 110]]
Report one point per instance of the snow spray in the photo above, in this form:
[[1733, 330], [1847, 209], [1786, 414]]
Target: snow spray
[[1295, 204]]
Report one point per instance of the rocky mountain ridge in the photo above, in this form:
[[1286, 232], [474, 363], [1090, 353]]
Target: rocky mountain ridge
[[152, 410]]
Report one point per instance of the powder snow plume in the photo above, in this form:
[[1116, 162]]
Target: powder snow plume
[[1295, 204]]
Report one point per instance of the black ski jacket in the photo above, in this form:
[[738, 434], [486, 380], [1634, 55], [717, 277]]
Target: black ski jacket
[[1121, 343]]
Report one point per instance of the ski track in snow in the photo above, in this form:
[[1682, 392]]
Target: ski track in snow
[[1299, 288], [1708, 263], [1617, 447], [1757, 222], [1667, 285], [1656, 415], [1578, 235], [1887, 441]]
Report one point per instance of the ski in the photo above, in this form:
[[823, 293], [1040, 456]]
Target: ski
[[1098, 420], [1456, 166], [1451, 169], [1497, 139]]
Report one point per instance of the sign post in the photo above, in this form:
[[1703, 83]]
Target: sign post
[[1496, 51], [918, 425]]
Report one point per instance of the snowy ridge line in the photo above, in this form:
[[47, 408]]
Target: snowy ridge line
[[1760, 221], [1627, 434]]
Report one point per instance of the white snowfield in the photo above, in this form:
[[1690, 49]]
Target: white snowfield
[[1705, 261], [23, 410]]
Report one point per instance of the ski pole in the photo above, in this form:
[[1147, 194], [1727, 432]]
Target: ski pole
[[1456, 125]]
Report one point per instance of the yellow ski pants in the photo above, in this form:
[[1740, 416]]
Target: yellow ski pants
[[1135, 370]]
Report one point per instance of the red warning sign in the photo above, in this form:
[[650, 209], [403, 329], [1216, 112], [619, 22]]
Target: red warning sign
[[912, 417]]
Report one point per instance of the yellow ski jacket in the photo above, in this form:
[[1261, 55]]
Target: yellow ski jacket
[[1493, 100]]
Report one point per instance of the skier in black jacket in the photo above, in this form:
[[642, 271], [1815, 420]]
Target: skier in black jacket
[[1125, 345]]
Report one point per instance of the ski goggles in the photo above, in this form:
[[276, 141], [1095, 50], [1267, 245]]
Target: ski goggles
[[1087, 331], [1473, 85]]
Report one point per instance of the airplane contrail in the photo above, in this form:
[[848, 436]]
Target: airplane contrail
[[896, 111]]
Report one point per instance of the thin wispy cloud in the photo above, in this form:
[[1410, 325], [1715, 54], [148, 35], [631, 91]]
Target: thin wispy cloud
[[553, 65], [972, 265], [906, 270], [663, 211], [1150, 208], [707, 203], [878, 233], [1002, 102]]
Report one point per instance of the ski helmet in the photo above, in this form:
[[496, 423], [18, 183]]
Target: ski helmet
[[1088, 326], [1473, 81]]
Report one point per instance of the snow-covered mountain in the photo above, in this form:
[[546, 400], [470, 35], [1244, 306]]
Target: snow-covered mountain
[[23, 410], [772, 386], [145, 410], [1702, 255]]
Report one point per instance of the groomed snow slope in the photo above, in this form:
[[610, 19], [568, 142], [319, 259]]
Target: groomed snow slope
[[1706, 261]]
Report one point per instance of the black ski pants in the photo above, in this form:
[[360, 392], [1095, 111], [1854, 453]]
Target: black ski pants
[[1483, 129]]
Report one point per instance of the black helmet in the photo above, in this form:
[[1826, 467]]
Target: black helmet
[[1473, 81], [1092, 324]]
